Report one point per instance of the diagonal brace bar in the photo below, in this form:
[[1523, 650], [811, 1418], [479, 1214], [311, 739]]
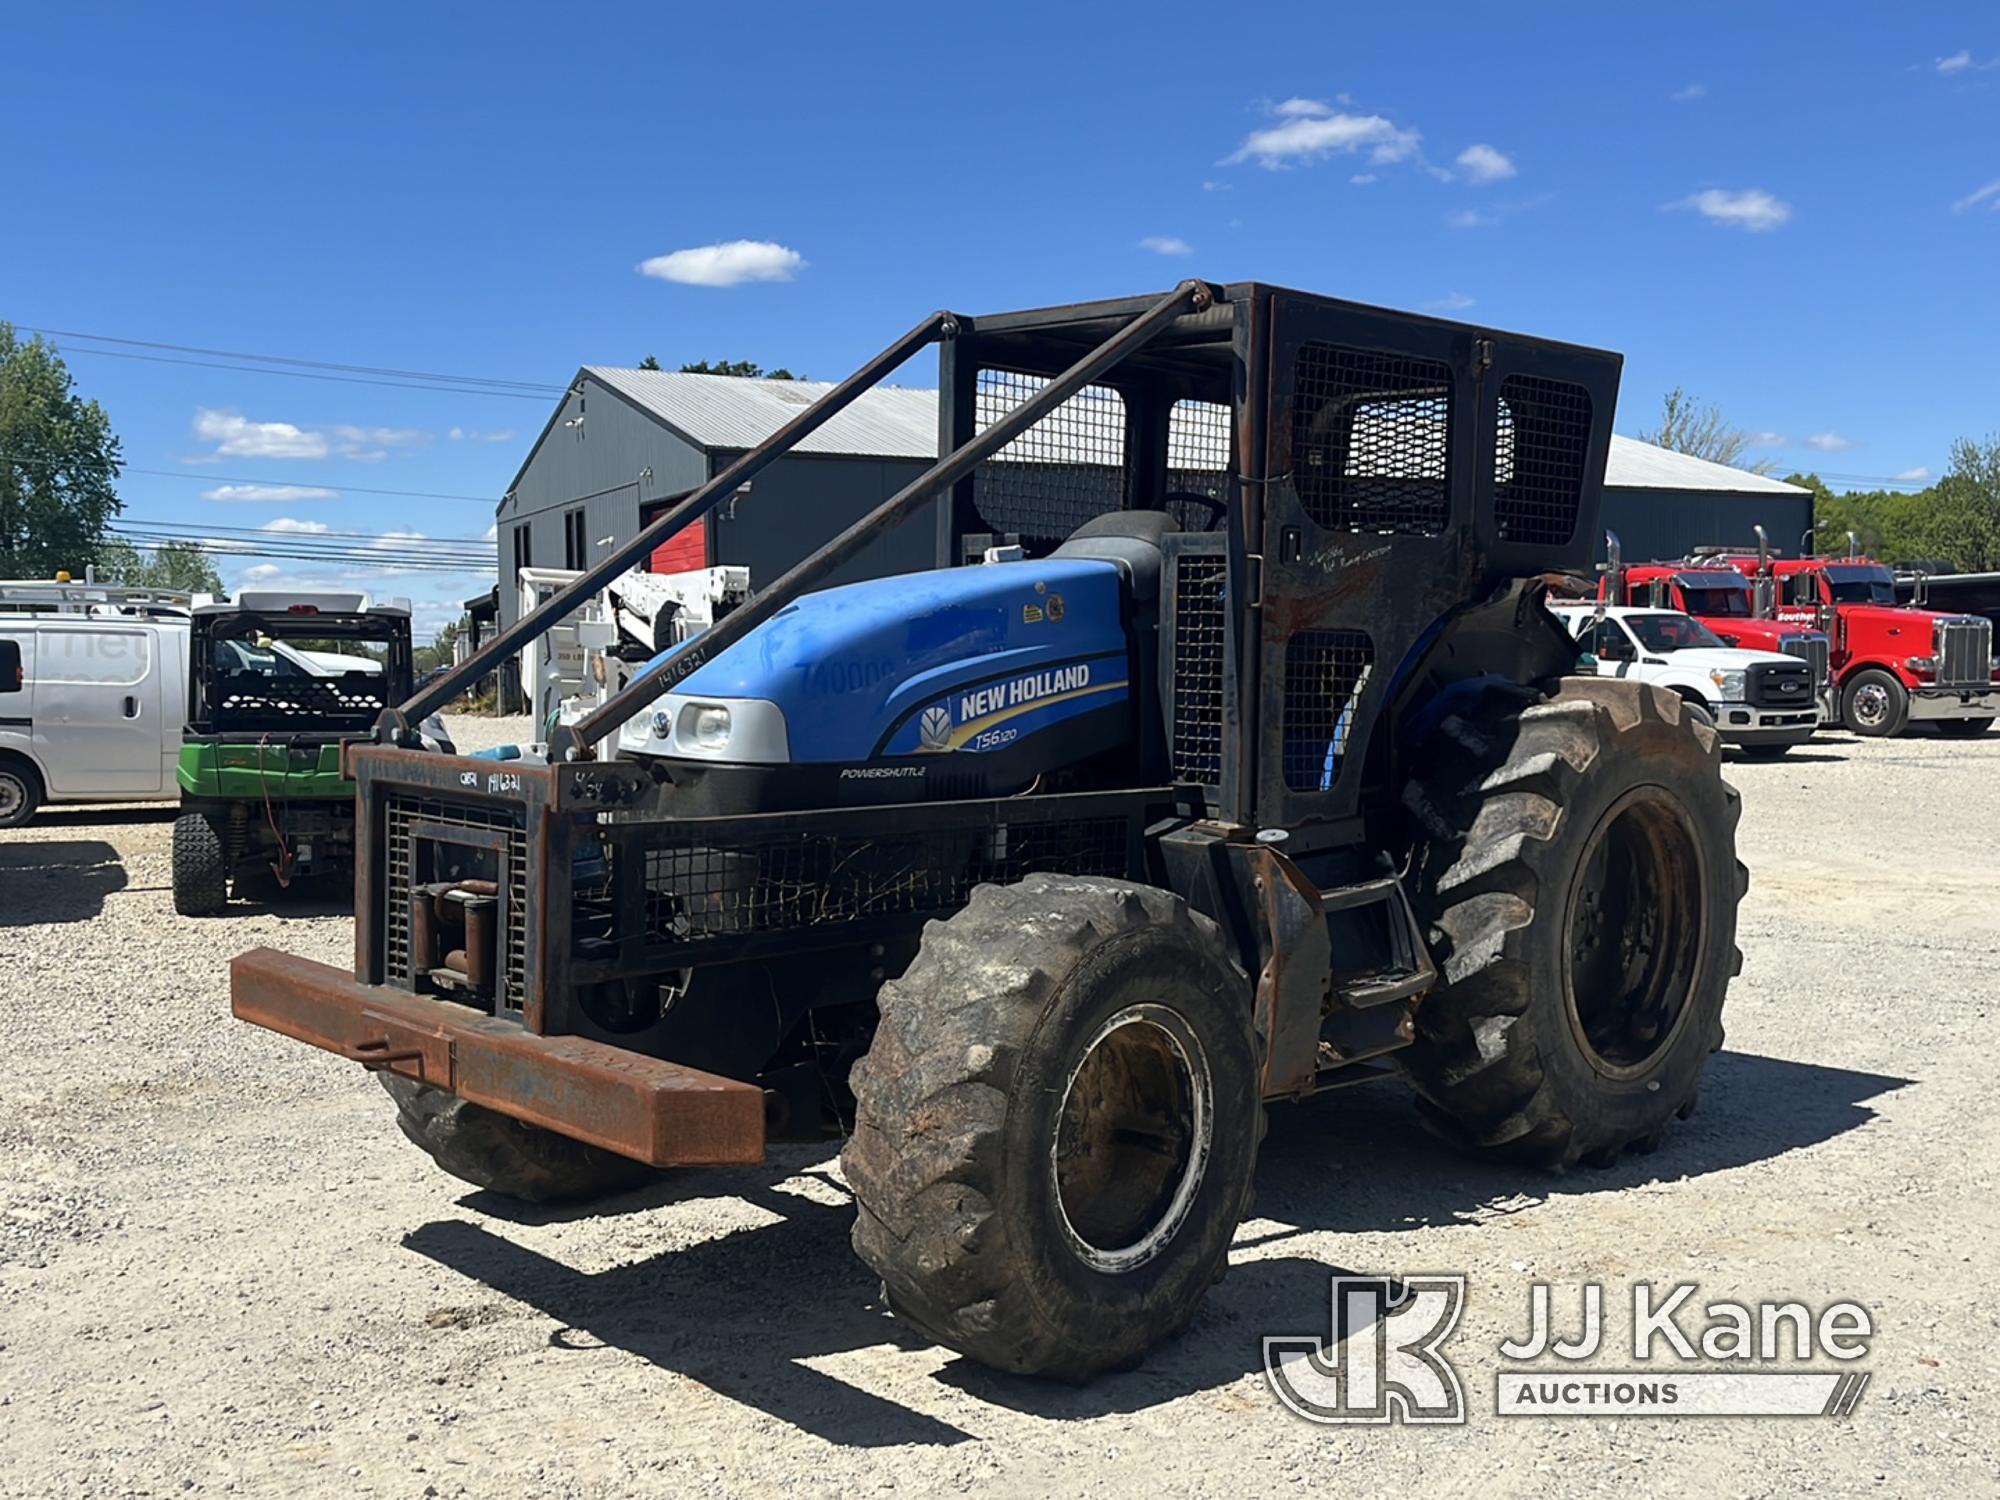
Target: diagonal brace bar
[[394, 725], [573, 742]]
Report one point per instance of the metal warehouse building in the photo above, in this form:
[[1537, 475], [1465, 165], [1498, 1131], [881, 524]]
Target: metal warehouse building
[[624, 444], [1664, 504]]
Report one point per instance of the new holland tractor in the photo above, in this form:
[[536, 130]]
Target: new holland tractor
[[1229, 754]]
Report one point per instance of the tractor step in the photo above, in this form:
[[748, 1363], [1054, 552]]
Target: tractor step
[[1378, 955]]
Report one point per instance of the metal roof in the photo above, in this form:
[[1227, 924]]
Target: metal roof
[[726, 411], [1634, 465]]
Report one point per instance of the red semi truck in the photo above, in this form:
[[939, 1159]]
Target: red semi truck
[[1718, 594], [1893, 665]]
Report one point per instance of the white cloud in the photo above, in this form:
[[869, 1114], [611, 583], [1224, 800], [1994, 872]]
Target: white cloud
[[1450, 302], [296, 527], [1166, 244], [727, 264], [1752, 209], [239, 437], [1292, 109], [1470, 218], [370, 445], [1691, 92], [1958, 62], [1309, 137], [1829, 442], [467, 435], [1913, 476], [259, 573], [1362, 179], [268, 494], [491, 532], [1769, 439], [1483, 164], [1991, 190]]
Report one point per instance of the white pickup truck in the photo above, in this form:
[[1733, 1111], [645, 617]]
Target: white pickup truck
[[1761, 701]]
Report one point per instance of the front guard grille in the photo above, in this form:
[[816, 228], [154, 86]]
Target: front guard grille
[[1815, 652], [792, 879], [419, 850]]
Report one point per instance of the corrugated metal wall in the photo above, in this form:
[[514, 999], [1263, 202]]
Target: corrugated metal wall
[[1665, 524]]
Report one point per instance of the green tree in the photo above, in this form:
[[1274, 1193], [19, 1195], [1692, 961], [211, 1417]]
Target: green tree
[[746, 368], [439, 652], [1686, 426], [59, 464], [649, 363], [183, 567]]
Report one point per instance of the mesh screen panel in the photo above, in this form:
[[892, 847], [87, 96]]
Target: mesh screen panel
[[1199, 617], [1067, 468], [1371, 433], [1198, 457], [796, 880], [259, 700], [410, 862], [1325, 673], [1541, 443]]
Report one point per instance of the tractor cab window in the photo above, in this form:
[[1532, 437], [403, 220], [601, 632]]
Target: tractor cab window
[[1664, 633], [1861, 584], [1802, 588]]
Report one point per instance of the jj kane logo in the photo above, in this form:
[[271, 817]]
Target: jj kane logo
[[1384, 1358]]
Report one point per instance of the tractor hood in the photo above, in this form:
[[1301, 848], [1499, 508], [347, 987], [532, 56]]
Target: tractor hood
[[972, 659]]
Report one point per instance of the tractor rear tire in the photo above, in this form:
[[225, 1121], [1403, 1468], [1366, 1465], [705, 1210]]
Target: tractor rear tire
[[201, 870], [1575, 865], [1056, 1125], [1875, 704], [504, 1155]]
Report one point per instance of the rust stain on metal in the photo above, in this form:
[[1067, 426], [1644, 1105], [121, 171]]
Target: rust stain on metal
[[653, 1111]]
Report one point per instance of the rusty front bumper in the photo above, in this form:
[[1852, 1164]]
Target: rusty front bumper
[[653, 1111]]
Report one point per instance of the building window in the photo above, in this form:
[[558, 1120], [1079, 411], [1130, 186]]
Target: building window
[[524, 553], [576, 551]]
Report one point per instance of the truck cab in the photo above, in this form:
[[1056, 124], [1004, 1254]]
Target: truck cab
[[1893, 665], [1762, 702], [1721, 597]]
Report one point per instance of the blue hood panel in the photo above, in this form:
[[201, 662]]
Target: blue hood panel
[[966, 659]]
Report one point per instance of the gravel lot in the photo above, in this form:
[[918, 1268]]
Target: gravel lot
[[222, 1268]]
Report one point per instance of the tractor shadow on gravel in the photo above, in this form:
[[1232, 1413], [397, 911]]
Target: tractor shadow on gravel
[[58, 880], [742, 1312]]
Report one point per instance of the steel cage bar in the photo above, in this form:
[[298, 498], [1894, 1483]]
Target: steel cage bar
[[573, 742], [394, 725]]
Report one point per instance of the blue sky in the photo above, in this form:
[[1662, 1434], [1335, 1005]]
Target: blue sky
[[1794, 212]]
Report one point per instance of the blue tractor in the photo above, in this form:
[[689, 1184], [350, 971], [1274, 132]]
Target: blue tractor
[[1228, 755]]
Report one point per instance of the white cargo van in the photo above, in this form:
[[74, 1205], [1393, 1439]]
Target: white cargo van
[[93, 695]]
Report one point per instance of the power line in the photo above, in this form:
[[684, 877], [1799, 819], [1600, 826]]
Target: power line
[[415, 547], [394, 385], [21, 456], [539, 386], [267, 531]]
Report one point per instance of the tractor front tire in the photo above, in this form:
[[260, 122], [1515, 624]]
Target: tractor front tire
[[1056, 1125], [1875, 704], [201, 870], [1574, 861], [504, 1155]]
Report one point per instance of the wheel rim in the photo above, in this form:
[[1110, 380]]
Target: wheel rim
[[1871, 705], [11, 796], [1132, 1138], [1634, 935]]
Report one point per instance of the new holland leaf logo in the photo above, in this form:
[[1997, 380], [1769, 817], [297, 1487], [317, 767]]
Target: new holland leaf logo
[[934, 728]]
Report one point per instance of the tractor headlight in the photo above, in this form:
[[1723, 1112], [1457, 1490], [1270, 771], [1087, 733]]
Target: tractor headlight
[[1728, 684], [705, 726]]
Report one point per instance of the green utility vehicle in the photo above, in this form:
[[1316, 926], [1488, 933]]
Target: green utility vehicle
[[275, 683]]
